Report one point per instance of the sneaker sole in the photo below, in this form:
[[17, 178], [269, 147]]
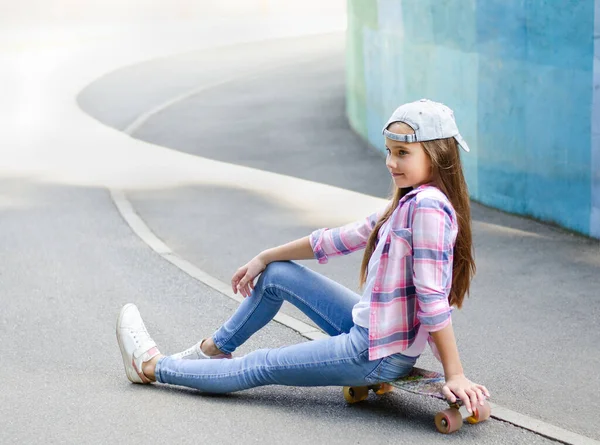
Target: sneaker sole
[[125, 356]]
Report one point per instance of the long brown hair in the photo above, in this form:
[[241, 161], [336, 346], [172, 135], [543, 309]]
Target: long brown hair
[[447, 176]]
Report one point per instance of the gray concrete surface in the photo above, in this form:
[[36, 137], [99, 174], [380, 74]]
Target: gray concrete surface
[[528, 329], [70, 262]]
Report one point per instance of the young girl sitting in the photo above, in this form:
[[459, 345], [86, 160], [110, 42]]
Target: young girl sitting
[[417, 264]]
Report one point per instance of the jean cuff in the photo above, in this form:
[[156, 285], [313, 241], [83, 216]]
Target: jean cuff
[[157, 369], [220, 344]]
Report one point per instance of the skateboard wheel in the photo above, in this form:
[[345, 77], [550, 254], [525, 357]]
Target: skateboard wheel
[[480, 413], [383, 388], [354, 394], [448, 421]]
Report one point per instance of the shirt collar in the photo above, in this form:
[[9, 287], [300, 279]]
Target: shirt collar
[[414, 191]]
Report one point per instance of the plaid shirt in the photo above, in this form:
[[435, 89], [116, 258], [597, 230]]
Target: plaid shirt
[[415, 269]]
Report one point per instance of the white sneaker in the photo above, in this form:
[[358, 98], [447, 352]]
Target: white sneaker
[[135, 343], [195, 353]]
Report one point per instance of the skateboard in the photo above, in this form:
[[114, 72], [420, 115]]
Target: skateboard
[[425, 383]]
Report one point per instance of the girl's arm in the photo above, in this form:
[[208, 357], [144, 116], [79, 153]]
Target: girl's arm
[[320, 244], [299, 249], [243, 279], [457, 385], [343, 240]]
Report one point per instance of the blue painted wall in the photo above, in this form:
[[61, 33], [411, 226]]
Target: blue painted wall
[[595, 170], [523, 77]]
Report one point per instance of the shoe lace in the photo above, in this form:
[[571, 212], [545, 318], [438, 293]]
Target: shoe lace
[[140, 332]]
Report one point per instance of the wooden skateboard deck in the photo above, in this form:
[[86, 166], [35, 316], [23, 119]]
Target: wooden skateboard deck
[[425, 383]]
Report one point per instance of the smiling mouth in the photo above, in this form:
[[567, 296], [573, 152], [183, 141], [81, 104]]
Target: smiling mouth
[[397, 174]]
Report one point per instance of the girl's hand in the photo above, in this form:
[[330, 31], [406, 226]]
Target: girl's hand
[[470, 393], [243, 279]]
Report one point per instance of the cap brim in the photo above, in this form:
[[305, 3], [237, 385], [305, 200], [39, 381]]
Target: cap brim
[[462, 143]]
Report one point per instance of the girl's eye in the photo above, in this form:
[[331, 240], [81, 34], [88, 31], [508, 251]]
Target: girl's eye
[[399, 153]]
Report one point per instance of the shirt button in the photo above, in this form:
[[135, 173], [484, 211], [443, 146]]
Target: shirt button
[[376, 288]]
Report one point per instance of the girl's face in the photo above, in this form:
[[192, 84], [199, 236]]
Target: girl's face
[[408, 163]]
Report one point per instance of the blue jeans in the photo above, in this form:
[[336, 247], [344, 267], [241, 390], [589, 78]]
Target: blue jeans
[[340, 360]]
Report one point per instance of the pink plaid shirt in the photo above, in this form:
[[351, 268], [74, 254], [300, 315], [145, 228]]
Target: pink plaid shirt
[[415, 269]]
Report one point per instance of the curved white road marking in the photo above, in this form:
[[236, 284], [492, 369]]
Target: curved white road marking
[[141, 229], [143, 118]]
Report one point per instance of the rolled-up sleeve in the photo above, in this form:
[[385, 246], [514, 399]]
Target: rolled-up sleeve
[[343, 240], [434, 234]]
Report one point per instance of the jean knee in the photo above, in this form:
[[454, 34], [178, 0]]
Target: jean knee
[[277, 272]]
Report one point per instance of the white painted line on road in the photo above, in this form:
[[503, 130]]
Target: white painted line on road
[[142, 118], [539, 427], [141, 229], [137, 225]]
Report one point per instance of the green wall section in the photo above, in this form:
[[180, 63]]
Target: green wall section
[[520, 76], [361, 14]]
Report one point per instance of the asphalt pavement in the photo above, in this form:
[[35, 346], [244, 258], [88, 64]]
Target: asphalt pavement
[[537, 287], [71, 261]]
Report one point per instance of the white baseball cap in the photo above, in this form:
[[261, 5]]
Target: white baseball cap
[[430, 120]]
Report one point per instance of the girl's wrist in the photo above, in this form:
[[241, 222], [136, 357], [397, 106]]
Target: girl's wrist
[[453, 368], [455, 375], [454, 372], [264, 257]]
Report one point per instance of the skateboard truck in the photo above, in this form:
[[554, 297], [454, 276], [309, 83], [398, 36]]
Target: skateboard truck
[[426, 383]]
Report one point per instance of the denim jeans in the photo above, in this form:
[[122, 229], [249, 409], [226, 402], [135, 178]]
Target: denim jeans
[[340, 360]]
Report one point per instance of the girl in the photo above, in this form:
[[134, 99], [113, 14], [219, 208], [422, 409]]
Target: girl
[[417, 264]]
